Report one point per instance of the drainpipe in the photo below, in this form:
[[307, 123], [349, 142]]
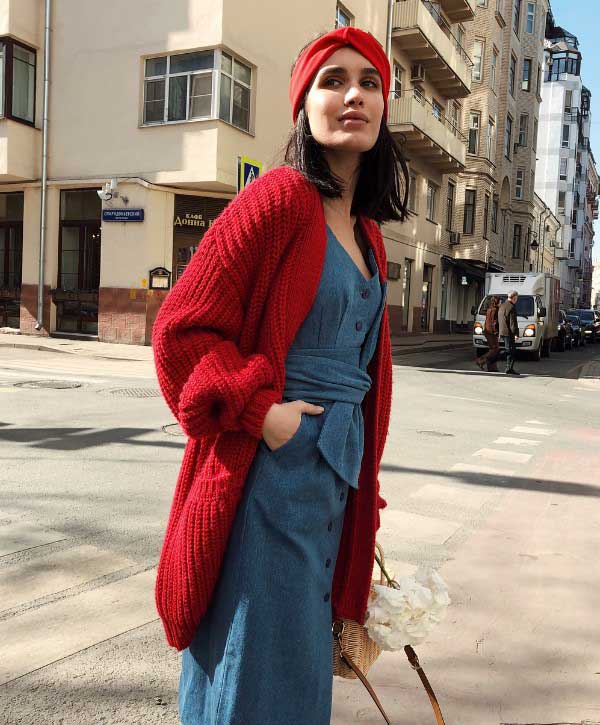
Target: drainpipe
[[43, 209], [388, 40]]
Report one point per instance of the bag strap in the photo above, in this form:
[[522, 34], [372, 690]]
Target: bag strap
[[414, 663]]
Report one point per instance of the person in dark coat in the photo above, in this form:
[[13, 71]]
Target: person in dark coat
[[509, 330], [490, 330]]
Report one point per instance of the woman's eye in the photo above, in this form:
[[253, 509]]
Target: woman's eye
[[331, 82], [370, 84]]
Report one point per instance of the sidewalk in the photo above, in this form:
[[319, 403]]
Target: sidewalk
[[401, 345]]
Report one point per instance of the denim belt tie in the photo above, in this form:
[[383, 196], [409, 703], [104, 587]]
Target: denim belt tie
[[323, 375]]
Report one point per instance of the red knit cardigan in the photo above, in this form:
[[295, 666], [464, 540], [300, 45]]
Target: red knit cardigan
[[220, 342]]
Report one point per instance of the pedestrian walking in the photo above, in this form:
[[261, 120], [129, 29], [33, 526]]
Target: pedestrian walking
[[490, 331], [273, 351], [509, 330]]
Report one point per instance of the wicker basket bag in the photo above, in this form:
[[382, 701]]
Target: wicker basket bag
[[354, 652]]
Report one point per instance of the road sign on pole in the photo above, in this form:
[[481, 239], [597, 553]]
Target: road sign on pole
[[248, 171]]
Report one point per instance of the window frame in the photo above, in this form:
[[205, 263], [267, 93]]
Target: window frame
[[476, 58], [517, 240], [512, 74], [486, 214], [526, 82], [476, 129], [523, 130], [530, 16], [216, 73], [516, 19], [495, 205], [397, 77], [450, 202], [561, 210], [470, 229], [341, 9], [413, 201], [508, 129], [8, 44], [494, 68], [564, 142], [519, 183], [431, 209], [563, 176], [490, 138]]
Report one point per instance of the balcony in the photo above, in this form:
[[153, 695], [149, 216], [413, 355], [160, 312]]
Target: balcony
[[19, 151], [425, 36], [458, 10], [428, 134]]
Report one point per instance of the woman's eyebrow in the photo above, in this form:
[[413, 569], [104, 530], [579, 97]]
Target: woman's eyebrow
[[341, 69]]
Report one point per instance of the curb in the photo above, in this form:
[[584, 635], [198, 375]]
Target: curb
[[430, 348], [42, 348]]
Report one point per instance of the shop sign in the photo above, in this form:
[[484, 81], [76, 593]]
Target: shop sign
[[248, 171], [122, 215], [191, 220]]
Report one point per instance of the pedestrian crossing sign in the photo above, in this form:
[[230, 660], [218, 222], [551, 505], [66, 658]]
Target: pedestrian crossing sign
[[248, 171]]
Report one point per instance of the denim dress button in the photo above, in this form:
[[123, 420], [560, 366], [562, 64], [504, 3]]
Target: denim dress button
[[365, 294], [342, 496], [326, 597], [330, 526], [359, 326], [328, 563]]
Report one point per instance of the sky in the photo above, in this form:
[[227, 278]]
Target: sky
[[582, 17]]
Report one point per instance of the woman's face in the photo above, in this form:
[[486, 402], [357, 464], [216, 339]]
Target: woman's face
[[345, 103]]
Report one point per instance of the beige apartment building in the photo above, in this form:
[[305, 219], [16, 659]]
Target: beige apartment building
[[158, 108], [493, 225]]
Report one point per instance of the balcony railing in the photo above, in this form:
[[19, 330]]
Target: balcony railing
[[427, 38], [427, 130], [435, 13]]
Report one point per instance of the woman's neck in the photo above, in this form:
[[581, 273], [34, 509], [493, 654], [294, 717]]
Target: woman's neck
[[345, 167]]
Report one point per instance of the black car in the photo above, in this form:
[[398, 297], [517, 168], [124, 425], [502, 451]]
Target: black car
[[564, 340], [578, 336], [590, 322]]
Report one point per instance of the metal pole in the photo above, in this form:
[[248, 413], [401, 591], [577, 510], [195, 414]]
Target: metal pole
[[44, 201]]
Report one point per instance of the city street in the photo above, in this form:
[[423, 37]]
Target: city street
[[493, 480]]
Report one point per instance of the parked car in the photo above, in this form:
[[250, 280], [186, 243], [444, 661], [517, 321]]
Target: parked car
[[590, 323], [578, 336], [564, 339]]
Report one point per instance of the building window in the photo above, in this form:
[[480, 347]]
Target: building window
[[516, 15], [436, 109], [563, 169], [508, 136], [523, 128], [519, 184], [199, 85], [494, 65], [535, 134], [482, 3], [532, 183], [474, 124], [495, 215], [17, 88], [342, 17], [512, 74], [568, 101], [526, 82], [490, 139], [454, 117], [469, 216], [450, 205], [477, 70], [397, 80], [517, 235], [486, 214], [538, 84], [406, 280], [530, 24], [431, 201], [412, 194], [561, 202], [566, 134]]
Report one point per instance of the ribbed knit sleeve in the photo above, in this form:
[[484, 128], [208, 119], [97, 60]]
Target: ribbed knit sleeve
[[208, 382]]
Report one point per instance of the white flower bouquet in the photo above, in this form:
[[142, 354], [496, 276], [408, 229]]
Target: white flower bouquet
[[404, 612]]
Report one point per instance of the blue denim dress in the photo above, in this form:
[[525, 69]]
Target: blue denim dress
[[262, 655]]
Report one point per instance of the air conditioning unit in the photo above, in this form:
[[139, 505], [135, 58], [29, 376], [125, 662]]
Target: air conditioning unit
[[417, 73], [454, 238]]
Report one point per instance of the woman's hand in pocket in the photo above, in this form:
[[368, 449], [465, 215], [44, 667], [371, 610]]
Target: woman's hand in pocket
[[283, 420]]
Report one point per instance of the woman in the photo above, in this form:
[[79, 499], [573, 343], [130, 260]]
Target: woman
[[490, 330], [273, 352]]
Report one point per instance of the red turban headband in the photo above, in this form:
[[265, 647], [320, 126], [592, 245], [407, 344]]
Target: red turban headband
[[317, 53]]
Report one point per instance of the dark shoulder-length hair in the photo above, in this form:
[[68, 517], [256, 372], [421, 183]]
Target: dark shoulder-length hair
[[383, 181]]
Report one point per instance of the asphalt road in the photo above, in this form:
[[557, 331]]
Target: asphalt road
[[493, 480]]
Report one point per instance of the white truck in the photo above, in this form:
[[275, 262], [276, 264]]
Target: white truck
[[537, 309]]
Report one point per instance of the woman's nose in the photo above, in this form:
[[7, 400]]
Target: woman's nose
[[354, 96]]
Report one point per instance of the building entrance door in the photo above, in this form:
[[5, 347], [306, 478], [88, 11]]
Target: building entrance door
[[11, 258], [76, 296], [426, 296]]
